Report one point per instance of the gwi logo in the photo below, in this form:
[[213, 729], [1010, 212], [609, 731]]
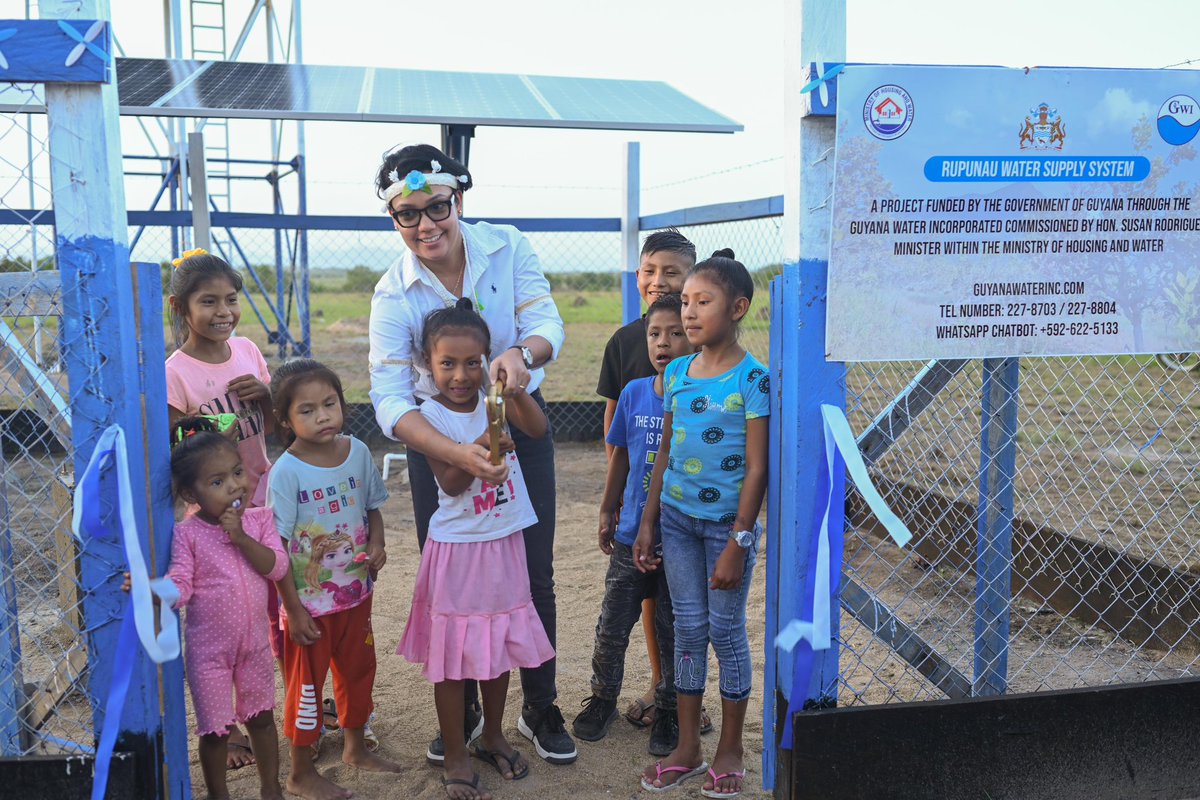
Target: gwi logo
[[1179, 120]]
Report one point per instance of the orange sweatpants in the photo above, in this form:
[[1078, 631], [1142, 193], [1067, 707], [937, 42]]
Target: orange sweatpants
[[347, 645]]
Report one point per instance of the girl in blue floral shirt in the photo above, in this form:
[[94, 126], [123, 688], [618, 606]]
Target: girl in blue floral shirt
[[707, 489]]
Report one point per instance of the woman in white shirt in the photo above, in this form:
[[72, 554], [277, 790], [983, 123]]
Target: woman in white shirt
[[494, 265]]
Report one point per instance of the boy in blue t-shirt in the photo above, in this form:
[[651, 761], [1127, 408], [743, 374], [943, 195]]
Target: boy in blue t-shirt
[[636, 432]]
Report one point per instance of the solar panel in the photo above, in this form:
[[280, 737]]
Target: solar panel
[[245, 90]]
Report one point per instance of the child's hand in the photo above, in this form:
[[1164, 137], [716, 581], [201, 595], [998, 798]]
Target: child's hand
[[249, 389], [301, 627], [475, 459], [376, 557], [231, 522], [128, 584], [644, 557], [606, 532], [730, 566], [506, 442]]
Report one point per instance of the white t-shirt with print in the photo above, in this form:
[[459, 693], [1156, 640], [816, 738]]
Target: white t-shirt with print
[[484, 511]]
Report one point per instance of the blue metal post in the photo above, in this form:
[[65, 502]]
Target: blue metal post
[[100, 339], [631, 301], [993, 564], [813, 31], [161, 512], [302, 294], [280, 321]]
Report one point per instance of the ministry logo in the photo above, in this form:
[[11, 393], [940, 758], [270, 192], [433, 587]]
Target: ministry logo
[[888, 112]]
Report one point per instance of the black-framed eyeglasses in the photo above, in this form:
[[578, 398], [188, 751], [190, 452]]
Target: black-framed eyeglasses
[[436, 211]]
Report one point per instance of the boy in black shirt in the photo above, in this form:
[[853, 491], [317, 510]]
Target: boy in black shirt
[[666, 257]]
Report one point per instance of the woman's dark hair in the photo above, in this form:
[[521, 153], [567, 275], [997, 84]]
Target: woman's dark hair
[[193, 441], [419, 157], [669, 240], [286, 380], [461, 316], [666, 302], [189, 275], [731, 274]]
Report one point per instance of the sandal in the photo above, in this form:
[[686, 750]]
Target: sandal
[[492, 757], [244, 757], [687, 773], [330, 714], [713, 793], [473, 783], [370, 738], [640, 714], [706, 725]]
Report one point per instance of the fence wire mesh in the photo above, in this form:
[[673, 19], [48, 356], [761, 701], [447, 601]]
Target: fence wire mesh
[[584, 270], [1105, 554], [1106, 558], [44, 707]]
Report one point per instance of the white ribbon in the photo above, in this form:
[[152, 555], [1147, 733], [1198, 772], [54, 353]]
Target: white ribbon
[[165, 645]]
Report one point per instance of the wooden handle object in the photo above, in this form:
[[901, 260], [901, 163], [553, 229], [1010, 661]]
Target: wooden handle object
[[495, 413]]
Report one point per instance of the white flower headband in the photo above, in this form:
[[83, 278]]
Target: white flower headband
[[417, 181]]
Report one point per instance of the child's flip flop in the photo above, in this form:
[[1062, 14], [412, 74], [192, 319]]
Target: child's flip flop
[[473, 784], [686, 773], [713, 793], [640, 714], [510, 762]]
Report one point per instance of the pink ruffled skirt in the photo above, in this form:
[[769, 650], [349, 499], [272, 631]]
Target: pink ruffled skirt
[[472, 615]]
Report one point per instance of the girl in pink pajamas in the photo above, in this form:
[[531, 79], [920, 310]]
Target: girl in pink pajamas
[[222, 557]]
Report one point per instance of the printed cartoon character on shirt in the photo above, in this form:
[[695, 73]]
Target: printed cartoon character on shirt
[[326, 560]]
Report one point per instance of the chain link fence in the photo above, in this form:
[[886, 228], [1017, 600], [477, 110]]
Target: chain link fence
[[44, 708], [1106, 555], [584, 270]]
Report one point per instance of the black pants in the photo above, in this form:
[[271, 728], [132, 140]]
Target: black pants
[[624, 589], [537, 466]]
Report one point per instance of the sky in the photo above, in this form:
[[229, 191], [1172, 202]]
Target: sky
[[729, 56]]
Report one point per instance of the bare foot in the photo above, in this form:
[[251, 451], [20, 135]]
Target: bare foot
[[238, 753], [271, 793], [730, 769], [372, 762], [673, 768], [313, 785]]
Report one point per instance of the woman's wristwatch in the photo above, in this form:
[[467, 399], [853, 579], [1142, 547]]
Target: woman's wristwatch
[[526, 355], [743, 538]]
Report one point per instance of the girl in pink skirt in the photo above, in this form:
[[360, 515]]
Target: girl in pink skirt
[[472, 615]]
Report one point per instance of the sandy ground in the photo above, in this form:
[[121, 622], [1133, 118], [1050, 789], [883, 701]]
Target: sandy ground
[[404, 700]]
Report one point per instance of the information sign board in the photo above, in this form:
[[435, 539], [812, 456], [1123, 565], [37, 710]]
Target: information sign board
[[988, 212]]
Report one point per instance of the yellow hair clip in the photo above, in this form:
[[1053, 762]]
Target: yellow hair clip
[[199, 251]]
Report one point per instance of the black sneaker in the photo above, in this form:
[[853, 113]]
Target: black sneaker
[[546, 728], [597, 716], [664, 733], [472, 724]]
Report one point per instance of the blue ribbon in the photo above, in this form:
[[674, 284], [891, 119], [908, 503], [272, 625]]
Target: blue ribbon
[[118, 688], [813, 629], [829, 73], [137, 621], [98, 52]]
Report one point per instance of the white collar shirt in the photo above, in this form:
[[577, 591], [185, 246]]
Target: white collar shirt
[[503, 277]]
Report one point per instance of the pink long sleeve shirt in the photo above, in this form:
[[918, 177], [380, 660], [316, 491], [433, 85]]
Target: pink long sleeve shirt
[[226, 597]]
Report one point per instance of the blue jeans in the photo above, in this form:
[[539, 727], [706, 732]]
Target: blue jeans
[[691, 548]]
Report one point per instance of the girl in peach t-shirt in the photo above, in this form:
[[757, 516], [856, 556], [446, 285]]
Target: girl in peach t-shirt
[[214, 372]]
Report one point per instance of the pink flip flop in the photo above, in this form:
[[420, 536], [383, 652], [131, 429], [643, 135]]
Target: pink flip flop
[[685, 774], [713, 793]]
